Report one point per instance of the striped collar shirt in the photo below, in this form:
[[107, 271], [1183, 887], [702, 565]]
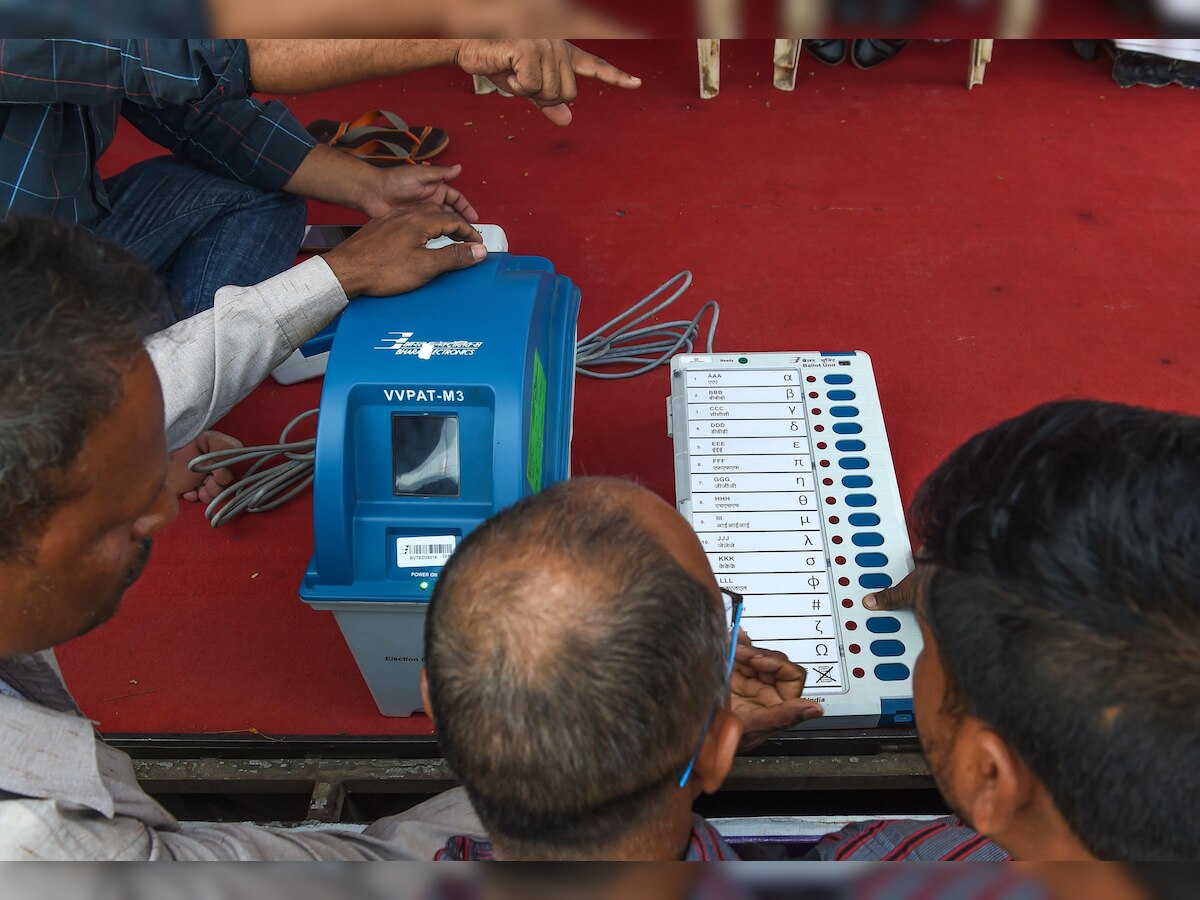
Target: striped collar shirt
[[937, 840]]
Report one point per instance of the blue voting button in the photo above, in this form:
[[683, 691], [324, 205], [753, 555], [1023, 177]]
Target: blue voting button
[[841, 395], [857, 481], [873, 581], [860, 499], [891, 671], [883, 625], [843, 412], [850, 446], [838, 379], [847, 428], [853, 462], [887, 648], [871, 560], [867, 539], [863, 520]]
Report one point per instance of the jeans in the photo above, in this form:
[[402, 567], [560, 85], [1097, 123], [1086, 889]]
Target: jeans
[[200, 231]]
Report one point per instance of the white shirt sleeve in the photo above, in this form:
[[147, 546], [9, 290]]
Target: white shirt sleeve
[[209, 362]]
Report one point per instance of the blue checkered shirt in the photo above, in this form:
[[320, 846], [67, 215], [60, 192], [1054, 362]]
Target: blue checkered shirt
[[60, 101]]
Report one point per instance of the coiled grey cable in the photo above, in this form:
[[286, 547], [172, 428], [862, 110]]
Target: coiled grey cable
[[645, 348], [648, 347], [263, 487]]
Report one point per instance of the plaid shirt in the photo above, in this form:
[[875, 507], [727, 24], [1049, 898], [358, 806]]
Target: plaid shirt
[[60, 101], [705, 845], [938, 840]]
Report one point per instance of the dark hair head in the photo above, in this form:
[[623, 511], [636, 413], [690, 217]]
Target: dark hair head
[[1065, 607], [571, 664], [73, 312]]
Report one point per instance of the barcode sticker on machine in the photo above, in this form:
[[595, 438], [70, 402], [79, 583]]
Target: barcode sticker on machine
[[424, 550]]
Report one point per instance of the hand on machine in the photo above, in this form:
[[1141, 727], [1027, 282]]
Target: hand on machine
[[388, 255], [903, 595]]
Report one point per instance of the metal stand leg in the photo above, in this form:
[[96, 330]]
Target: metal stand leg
[[981, 55], [787, 57], [709, 52]]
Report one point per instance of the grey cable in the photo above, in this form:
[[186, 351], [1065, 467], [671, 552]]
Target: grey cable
[[648, 347], [263, 487], [644, 348]]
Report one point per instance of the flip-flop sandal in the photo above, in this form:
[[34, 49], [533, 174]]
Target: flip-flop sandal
[[419, 142], [382, 153]]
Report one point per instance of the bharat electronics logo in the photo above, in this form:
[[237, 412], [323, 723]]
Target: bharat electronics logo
[[401, 343]]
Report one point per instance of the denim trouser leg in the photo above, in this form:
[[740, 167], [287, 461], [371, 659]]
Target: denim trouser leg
[[199, 230]]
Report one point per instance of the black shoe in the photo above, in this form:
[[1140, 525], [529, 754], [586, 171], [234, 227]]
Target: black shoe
[[1131, 67], [867, 53], [830, 52]]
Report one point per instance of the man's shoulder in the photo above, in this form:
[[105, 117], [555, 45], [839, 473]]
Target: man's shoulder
[[943, 839]]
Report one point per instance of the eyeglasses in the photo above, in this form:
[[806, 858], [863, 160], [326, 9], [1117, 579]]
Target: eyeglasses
[[733, 616]]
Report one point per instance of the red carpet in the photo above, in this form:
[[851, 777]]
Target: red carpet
[[1032, 239]]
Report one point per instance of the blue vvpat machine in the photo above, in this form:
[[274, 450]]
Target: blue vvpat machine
[[440, 407]]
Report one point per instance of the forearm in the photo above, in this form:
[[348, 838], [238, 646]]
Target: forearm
[[211, 361], [335, 177], [301, 66]]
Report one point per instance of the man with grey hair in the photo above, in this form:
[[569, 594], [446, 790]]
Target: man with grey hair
[[83, 490], [588, 683]]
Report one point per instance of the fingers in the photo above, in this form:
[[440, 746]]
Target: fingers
[[456, 202], [212, 487], [785, 715], [439, 221], [772, 669], [559, 115], [588, 65], [900, 596], [551, 91], [544, 72], [434, 174], [457, 256], [526, 77], [388, 255], [760, 723]]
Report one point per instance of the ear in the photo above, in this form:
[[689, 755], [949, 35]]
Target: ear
[[1000, 786], [425, 695], [720, 747]]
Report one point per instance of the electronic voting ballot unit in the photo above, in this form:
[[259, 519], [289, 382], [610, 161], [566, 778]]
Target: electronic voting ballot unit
[[782, 466], [440, 408]]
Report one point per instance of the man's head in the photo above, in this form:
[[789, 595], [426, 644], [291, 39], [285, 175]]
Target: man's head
[[82, 447], [1058, 696], [575, 645]]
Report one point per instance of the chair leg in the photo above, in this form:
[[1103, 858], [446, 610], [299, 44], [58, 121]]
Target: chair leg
[[709, 52], [787, 57], [981, 55]]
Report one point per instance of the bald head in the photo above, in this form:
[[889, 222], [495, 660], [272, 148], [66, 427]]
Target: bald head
[[574, 645]]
